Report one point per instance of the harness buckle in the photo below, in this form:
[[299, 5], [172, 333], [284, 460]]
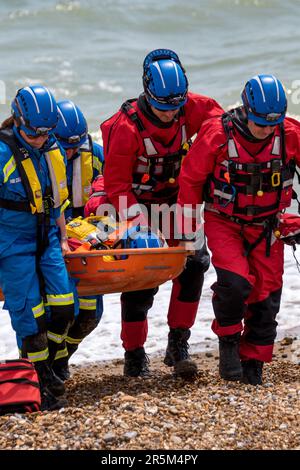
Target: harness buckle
[[251, 211], [276, 165], [253, 168]]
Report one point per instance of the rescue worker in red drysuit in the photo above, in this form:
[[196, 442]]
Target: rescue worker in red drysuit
[[144, 143], [242, 164]]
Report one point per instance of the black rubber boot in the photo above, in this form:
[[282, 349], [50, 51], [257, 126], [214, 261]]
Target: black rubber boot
[[39, 342], [252, 372], [230, 367], [136, 363], [177, 355], [50, 402], [48, 379], [60, 368], [48, 386]]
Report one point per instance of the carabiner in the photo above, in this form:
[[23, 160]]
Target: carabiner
[[232, 198], [275, 179]]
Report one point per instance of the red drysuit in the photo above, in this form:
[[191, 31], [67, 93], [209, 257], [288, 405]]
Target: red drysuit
[[245, 185], [142, 162]]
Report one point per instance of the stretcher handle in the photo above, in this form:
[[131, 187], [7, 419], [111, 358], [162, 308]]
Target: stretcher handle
[[129, 251]]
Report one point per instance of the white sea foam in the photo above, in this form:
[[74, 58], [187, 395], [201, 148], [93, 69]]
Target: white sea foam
[[65, 73], [45, 59], [109, 86], [67, 6], [20, 14]]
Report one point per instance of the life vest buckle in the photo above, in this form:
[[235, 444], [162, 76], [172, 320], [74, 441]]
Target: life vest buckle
[[253, 168]]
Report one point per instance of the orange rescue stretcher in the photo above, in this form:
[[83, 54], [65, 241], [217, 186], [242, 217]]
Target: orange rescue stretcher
[[103, 272], [142, 268]]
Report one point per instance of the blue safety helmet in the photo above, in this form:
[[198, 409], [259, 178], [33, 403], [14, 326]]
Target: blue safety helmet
[[34, 110], [71, 130], [164, 79], [137, 237], [264, 100]]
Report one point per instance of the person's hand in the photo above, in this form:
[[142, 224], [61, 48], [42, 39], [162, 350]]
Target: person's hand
[[64, 246]]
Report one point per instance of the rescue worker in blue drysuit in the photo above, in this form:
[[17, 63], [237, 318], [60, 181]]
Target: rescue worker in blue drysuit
[[84, 164], [33, 194]]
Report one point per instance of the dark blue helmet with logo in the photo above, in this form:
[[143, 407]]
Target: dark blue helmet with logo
[[34, 110], [264, 100], [71, 130], [164, 79]]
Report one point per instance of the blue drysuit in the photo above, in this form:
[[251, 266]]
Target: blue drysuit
[[19, 279]]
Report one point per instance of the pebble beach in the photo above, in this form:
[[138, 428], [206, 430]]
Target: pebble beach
[[110, 412]]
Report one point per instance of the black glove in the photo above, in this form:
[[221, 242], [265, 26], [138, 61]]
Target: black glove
[[292, 240]]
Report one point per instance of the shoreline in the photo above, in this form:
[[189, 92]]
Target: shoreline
[[289, 339]]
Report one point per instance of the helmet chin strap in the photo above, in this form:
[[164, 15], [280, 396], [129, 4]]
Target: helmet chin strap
[[240, 121], [146, 109]]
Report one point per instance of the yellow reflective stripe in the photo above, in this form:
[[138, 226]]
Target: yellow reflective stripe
[[61, 299], [60, 354], [87, 304], [38, 356], [39, 310], [9, 168], [34, 184], [64, 206], [97, 164], [73, 340], [55, 337]]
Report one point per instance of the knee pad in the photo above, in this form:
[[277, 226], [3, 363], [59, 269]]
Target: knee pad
[[230, 293], [261, 323]]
